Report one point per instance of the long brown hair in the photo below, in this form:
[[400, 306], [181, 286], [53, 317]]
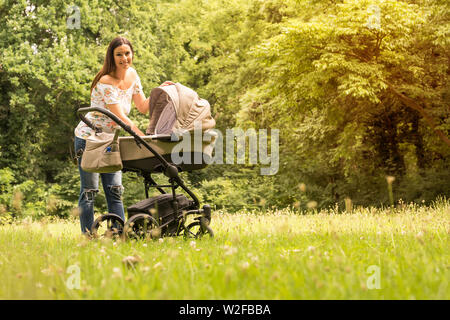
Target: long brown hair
[[109, 65]]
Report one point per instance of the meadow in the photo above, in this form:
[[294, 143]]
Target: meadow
[[368, 253]]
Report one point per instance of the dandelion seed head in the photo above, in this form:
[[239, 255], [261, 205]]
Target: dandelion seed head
[[116, 273], [390, 179], [302, 187], [131, 261], [47, 271], [155, 233], [311, 204], [230, 250]]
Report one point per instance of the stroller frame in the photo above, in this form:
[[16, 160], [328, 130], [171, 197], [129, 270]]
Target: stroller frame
[[117, 227]]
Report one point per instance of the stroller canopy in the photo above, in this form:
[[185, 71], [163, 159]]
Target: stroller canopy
[[177, 108]]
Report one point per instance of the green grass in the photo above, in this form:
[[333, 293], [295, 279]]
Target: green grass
[[277, 255]]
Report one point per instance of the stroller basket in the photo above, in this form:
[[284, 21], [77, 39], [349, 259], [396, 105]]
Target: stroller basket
[[160, 208]]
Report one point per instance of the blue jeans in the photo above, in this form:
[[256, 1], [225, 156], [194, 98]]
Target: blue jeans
[[112, 186]]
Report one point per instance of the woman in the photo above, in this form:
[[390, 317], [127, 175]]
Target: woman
[[113, 88]]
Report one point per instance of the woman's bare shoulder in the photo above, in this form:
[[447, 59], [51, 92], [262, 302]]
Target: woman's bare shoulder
[[106, 79]]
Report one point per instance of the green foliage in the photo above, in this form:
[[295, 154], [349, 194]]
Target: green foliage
[[46, 70], [330, 84], [238, 190], [30, 199]]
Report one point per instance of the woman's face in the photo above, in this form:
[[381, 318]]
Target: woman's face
[[123, 56]]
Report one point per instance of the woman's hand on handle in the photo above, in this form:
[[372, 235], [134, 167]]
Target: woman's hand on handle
[[167, 83], [118, 111]]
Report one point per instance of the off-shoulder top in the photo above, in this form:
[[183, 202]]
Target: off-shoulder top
[[102, 95]]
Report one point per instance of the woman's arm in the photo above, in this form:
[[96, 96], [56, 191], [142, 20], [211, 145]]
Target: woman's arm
[[118, 111], [141, 103]]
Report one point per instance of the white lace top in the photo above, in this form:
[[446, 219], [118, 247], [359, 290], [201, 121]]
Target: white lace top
[[104, 94]]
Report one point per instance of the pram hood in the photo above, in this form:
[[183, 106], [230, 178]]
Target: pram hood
[[177, 108]]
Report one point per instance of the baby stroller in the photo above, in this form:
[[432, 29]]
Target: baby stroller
[[177, 115]]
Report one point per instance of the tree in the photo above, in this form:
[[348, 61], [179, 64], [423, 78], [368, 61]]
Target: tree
[[352, 70], [48, 62]]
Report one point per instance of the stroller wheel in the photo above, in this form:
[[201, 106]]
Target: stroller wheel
[[107, 226], [196, 230], [141, 226]]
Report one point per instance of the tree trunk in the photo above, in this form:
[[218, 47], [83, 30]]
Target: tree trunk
[[416, 106], [417, 140]]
